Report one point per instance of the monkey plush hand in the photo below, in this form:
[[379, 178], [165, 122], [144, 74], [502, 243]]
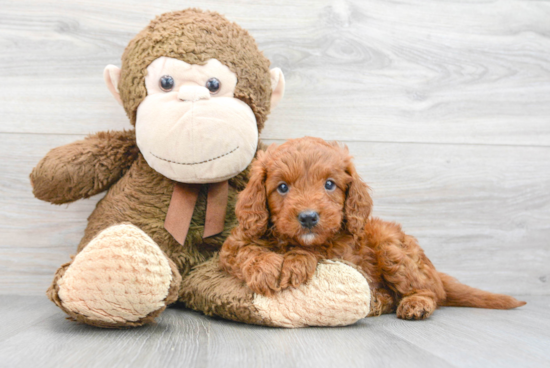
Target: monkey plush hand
[[198, 91]]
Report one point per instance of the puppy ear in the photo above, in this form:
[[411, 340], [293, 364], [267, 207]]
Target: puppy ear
[[358, 203], [251, 208]]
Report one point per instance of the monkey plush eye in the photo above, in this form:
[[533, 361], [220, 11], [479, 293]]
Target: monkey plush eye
[[282, 188], [330, 185], [166, 83], [213, 85]]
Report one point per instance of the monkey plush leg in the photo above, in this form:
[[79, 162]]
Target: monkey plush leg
[[120, 279], [337, 295], [406, 270]]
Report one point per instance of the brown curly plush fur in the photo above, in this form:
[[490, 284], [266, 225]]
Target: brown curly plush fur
[[136, 193], [195, 36], [270, 250]]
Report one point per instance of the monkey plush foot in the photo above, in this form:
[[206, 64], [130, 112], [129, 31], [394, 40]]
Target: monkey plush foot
[[337, 295], [120, 279]]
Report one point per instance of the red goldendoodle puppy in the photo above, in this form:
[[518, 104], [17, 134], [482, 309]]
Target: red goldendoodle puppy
[[305, 202]]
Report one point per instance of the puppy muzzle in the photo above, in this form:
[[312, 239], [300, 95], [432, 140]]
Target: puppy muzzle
[[308, 219]]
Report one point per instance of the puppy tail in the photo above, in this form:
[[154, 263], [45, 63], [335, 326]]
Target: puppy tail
[[460, 295]]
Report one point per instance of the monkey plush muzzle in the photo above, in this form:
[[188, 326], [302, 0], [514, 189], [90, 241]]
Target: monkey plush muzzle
[[203, 141]]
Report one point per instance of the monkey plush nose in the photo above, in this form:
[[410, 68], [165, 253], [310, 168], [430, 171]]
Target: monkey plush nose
[[193, 93], [308, 219]]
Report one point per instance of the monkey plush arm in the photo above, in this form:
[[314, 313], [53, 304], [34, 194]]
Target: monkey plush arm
[[84, 168]]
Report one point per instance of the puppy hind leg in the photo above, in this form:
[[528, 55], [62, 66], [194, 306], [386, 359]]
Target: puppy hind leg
[[382, 302], [413, 277], [407, 271], [419, 305]]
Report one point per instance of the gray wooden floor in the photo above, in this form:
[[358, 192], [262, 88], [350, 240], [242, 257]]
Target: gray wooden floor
[[452, 337], [444, 104]]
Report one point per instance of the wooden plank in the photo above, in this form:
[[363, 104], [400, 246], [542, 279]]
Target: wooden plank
[[37, 237], [484, 338], [452, 337], [364, 344], [175, 340], [377, 71], [22, 312], [482, 213]]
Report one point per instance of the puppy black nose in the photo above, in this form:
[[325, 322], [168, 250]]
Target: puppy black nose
[[308, 219]]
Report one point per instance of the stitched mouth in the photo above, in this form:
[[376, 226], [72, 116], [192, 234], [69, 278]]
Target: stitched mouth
[[196, 163]]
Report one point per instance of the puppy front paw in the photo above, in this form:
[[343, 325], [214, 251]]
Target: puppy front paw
[[262, 273], [298, 268]]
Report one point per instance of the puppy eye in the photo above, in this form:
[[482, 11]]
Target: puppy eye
[[330, 185], [213, 85], [282, 188], [166, 83]]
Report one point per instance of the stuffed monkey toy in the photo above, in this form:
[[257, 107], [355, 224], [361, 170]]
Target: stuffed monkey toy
[[197, 91]]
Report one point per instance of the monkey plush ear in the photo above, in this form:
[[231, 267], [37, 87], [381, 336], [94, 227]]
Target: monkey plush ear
[[111, 74], [277, 86]]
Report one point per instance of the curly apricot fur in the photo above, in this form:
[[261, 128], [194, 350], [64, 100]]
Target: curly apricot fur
[[270, 250]]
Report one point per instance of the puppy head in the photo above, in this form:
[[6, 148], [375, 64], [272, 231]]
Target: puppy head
[[305, 191]]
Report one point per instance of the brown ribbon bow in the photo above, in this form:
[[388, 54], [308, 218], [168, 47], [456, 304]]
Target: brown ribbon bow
[[182, 205]]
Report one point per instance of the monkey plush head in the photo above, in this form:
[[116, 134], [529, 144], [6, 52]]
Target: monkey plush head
[[198, 91]]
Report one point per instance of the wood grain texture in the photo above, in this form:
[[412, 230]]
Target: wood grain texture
[[446, 106], [452, 337], [481, 213], [452, 71]]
